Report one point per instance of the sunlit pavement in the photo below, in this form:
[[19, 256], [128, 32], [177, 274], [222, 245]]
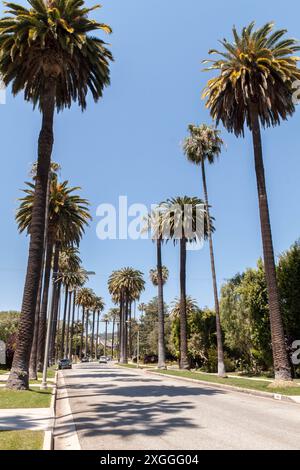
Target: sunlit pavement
[[119, 408]]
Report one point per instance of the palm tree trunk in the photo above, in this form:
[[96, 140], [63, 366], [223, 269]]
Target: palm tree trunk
[[63, 328], [113, 338], [161, 316], [105, 339], [81, 335], [87, 332], [97, 334], [122, 331], [35, 344], [34, 349], [72, 325], [280, 357], [221, 365], [125, 343], [44, 306], [19, 374], [93, 331], [56, 287], [68, 324], [129, 330], [184, 360]]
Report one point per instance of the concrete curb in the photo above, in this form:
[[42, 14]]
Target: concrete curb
[[232, 388], [48, 443], [70, 437]]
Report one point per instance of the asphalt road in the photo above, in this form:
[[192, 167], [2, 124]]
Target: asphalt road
[[117, 409]]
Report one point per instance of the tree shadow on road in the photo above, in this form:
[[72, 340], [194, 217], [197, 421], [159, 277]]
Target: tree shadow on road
[[141, 410]]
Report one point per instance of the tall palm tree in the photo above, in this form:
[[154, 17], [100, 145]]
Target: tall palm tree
[[159, 277], [125, 286], [255, 87], [98, 307], [183, 221], [79, 279], [69, 265], [204, 144], [112, 315], [47, 52], [85, 298], [54, 168], [68, 215]]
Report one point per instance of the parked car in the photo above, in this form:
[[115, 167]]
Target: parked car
[[85, 359], [103, 360], [64, 364]]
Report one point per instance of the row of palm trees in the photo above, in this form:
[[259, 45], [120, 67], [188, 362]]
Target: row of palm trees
[[48, 52]]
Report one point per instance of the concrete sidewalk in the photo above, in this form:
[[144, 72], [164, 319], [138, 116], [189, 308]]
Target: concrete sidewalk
[[34, 419]]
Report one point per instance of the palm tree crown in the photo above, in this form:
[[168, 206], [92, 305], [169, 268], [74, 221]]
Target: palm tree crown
[[184, 217], [51, 40], [85, 298], [203, 143], [154, 275], [127, 281], [257, 67], [68, 212]]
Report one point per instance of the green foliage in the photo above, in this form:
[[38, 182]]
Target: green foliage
[[245, 312], [149, 329], [289, 286], [245, 318], [9, 322]]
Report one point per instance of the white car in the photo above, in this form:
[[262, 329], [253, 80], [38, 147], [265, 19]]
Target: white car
[[103, 360]]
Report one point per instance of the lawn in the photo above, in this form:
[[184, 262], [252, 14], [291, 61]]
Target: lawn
[[3, 371], [21, 440], [260, 385], [32, 398]]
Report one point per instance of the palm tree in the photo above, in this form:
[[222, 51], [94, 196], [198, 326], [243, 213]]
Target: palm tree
[[98, 306], [54, 167], [67, 217], [183, 219], [125, 286], [84, 298], [69, 265], [47, 52], [159, 277], [255, 87], [78, 280], [204, 144], [112, 315]]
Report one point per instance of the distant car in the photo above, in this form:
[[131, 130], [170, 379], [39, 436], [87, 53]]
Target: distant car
[[64, 364], [103, 360], [85, 359]]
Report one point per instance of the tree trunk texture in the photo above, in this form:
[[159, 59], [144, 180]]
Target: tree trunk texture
[[93, 332], [44, 305], [161, 316], [221, 365], [72, 326], [280, 357], [68, 324], [184, 360], [81, 335], [63, 327], [19, 374]]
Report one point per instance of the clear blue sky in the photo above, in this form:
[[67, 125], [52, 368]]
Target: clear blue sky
[[129, 144]]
